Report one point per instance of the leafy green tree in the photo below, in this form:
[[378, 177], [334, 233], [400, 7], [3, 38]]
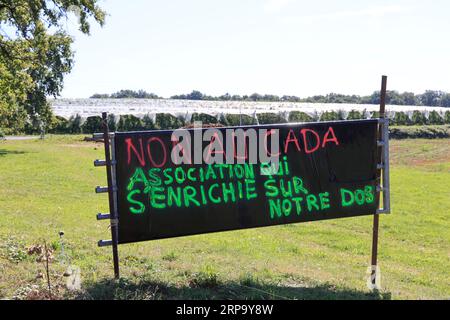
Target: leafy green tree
[[100, 96], [410, 99], [225, 97], [431, 98], [445, 100], [36, 54], [195, 95], [131, 94], [256, 97]]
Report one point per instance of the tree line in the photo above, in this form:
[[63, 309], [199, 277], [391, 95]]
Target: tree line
[[428, 98], [126, 94]]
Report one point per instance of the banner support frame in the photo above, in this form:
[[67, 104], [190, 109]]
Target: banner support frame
[[112, 192], [382, 136]]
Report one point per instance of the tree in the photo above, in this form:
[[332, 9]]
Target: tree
[[131, 94], [36, 54], [256, 97], [410, 99], [445, 100], [431, 98], [100, 96], [195, 95]]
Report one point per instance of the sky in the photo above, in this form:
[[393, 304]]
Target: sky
[[283, 47]]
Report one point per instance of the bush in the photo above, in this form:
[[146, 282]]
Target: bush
[[447, 117], [111, 119], [167, 121], [400, 119], [92, 124], [204, 118], [2, 135], [435, 118], [355, 115], [74, 124], [418, 118], [147, 122], [270, 118], [59, 125], [331, 116], [128, 122], [375, 115], [235, 120], [298, 116]]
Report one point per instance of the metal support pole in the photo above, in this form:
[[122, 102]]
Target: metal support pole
[[376, 217], [111, 186]]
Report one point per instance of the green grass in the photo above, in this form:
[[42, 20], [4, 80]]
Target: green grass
[[48, 186]]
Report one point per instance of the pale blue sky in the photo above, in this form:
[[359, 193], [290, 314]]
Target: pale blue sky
[[292, 47]]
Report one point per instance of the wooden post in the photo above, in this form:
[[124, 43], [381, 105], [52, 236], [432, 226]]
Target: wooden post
[[376, 217], [111, 186]]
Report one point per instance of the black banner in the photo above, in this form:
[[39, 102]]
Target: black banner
[[326, 170]]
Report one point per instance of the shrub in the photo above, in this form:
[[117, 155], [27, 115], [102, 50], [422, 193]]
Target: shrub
[[92, 124], [270, 118], [128, 122], [111, 119], [435, 118], [330, 116], [74, 124], [236, 119], [375, 114], [223, 120], [418, 118], [400, 119], [167, 121], [447, 117], [340, 115], [204, 118], [59, 125], [298, 116], [147, 122], [355, 115]]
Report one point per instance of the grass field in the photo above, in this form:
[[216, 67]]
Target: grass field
[[48, 186]]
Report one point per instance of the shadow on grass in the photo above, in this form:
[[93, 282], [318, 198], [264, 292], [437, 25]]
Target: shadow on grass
[[4, 152], [154, 290]]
